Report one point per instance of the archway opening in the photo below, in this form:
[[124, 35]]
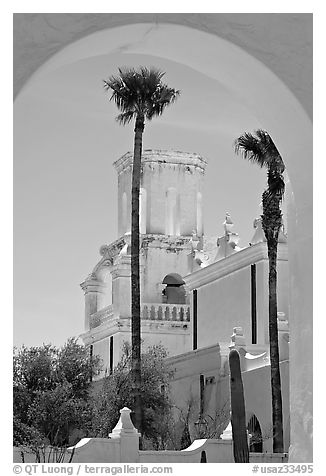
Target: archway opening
[[174, 291], [255, 435]]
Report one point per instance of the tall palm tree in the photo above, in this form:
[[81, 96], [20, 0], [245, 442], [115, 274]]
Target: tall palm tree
[[140, 95], [260, 149]]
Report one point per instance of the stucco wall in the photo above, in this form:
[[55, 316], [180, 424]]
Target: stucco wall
[[222, 305], [185, 387], [225, 303], [158, 262], [176, 340]]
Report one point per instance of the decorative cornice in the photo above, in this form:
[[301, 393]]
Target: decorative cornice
[[116, 324], [113, 249], [185, 357], [232, 263], [175, 157], [98, 333], [92, 284]]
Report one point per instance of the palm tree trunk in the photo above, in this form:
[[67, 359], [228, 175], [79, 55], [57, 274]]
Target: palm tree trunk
[[135, 276], [271, 222], [274, 351]]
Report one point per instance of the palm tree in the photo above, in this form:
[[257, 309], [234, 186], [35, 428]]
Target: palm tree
[[139, 95], [260, 149]]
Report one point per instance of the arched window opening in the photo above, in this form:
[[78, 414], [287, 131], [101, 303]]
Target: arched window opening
[[174, 292]]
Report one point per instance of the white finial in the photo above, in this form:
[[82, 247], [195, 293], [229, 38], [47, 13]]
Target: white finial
[[237, 338], [228, 223], [124, 426]]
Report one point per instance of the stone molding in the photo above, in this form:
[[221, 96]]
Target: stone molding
[[232, 263], [93, 285], [113, 249], [157, 156], [115, 324], [166, 241], [215, 349]]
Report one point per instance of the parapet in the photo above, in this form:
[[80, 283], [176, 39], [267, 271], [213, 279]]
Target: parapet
[[163, 157]]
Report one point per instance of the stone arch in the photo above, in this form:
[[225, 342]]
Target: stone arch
[[102, 273], [174, 292], [255, 435]]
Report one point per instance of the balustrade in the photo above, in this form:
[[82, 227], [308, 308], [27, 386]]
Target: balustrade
[[149, 311], [165, 312], [101, 316]]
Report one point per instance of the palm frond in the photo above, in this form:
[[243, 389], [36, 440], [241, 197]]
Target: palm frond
[[125, 117], [260, 148], [139, 92], [270, 150], [162, 97], [250, 148]]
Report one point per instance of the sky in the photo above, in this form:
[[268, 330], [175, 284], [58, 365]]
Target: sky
[[65, 187]]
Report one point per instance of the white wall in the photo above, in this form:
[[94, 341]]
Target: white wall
[[225, 301]]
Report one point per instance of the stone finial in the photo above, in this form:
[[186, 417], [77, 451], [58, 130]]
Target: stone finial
[[124, 427], [259, 235], [194, 240], [197, 258], [237, 338], [228, 223], [227, 433], [227, 244]]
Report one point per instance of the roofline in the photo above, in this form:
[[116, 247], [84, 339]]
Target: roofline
[[162, 156]]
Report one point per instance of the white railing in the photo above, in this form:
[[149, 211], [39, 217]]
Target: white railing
[[101, 316], [148, 311], [165, 312]]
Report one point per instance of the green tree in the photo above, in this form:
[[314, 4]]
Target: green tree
[[140, 95], [114, 394], [259, 148], [51, 392]]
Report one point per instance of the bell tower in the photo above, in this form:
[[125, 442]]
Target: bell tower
[[170, 221], [170, 213], [170, 195]]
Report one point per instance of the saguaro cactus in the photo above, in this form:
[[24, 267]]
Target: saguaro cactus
[[238, 412]]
